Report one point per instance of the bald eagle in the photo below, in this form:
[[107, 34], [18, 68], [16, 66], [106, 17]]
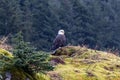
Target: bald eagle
[[59, 41]]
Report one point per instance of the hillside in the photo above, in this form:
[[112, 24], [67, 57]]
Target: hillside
[[72, 63], [80, 63]]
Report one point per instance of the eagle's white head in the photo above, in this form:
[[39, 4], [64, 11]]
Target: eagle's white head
[[61, 32]]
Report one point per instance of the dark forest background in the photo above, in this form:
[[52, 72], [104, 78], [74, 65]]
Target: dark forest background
[[95, 23]]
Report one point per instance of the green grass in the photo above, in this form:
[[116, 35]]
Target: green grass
[[5, 53], [88, 64], [41, 76], [81, 63]]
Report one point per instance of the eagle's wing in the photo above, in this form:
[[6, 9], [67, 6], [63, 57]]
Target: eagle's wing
[[59, 41]]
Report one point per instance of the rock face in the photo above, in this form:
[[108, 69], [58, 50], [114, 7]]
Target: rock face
[[81, 63]]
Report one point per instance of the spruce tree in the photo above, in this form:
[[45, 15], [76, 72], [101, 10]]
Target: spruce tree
[[27, 58]]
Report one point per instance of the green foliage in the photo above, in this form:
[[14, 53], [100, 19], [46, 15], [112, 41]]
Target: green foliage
[[85, 22], [7, 63], [27, 58], [5, 59]]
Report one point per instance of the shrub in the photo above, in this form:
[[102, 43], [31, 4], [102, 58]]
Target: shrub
[[27, 58]]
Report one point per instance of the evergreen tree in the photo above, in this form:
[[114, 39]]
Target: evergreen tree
[[89, 22], [28, 58], [45, 24]]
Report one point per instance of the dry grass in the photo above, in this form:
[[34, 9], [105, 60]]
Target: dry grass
[[3, 44]]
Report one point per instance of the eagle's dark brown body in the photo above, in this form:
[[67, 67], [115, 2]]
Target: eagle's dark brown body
[[59, 41]]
